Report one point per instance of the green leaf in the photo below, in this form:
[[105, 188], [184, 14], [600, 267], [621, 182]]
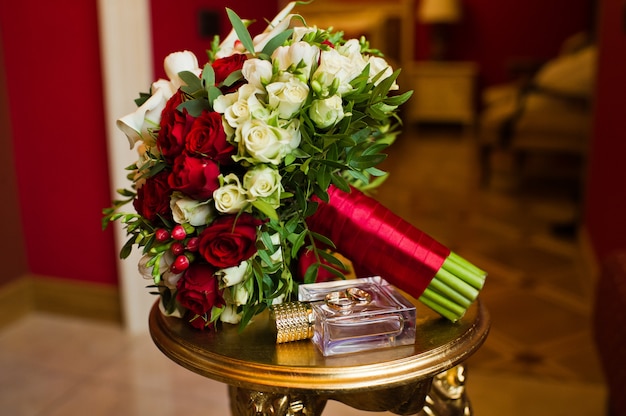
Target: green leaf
[[311, 273], [194, 107], [127, 248], [208, 76], [263, 254], [297, 244], [398, 100], [143, 97], [213, 93], [241, 30], [233, 77], [265, 208], [193, 84], [323, 239], [276, 41], [330, 258], [333, 271], [340, 182], [366, 161]]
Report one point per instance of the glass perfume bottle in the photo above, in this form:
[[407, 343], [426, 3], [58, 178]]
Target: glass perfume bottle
[[347, 316]]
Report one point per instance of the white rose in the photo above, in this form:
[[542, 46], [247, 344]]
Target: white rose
[[300, 31], [261, 141], [326, 112], [335, 70], [263, 181], [230, 198], [232, 275], [187, 210], [277, 256], [240, 106], [287, 97], [291, 135], [352, 50], [178, 62], [229, 315], [258, 72], [297, 58], [169, 279], [137, 125], [378, 65], [236, 295]]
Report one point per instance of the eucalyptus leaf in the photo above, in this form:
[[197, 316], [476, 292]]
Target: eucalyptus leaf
[[194, 107], [208, 76], [233, 78], [241, 30]]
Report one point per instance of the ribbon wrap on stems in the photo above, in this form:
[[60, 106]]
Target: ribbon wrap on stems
[[379, 242]]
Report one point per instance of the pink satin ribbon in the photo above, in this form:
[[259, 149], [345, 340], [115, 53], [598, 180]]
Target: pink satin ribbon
[[377, 241]]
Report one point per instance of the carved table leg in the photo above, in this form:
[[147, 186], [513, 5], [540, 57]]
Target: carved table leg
[[447, 396], [244, 402]]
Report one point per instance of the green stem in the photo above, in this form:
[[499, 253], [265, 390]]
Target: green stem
[[465, 274], [443, 301], [466, 264], [454, 282], [441, 288], [453, 289], [439, 309]]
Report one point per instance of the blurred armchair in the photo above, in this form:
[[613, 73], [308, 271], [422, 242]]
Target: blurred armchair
[[548, 112]]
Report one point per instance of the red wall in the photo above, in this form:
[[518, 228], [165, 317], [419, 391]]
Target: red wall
[[52, 68], [606, 195], [175, 27]]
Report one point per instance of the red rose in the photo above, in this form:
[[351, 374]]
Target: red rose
[[153, 197], [207, 138], [198, 322], [196, 177], [198, 289], [174, 127], [229, 240], [223, 67]]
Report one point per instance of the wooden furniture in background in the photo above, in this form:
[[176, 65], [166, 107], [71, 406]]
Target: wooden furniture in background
[[443, 92]]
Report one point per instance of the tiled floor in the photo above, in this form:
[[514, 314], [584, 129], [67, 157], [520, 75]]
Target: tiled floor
[[538, 360]]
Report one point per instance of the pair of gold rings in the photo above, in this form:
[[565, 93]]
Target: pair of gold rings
[[346, 299]]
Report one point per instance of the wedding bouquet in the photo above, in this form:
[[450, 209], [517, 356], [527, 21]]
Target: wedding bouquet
[[236, 156]]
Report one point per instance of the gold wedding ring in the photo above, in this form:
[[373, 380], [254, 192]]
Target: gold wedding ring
[[360, 296], [346, 299], [339, 301]]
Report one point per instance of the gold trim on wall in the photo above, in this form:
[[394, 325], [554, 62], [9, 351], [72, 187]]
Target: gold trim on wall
[[60, 296]]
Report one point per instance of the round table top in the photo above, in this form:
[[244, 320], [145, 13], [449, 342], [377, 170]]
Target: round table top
[[252, 360]]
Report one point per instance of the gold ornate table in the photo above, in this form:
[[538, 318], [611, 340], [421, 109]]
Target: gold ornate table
[[427, 378]]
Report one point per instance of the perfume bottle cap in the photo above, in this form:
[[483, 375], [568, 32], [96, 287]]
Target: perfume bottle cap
[[293, 321]]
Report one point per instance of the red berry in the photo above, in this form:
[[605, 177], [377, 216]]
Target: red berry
[[177, 248], [192, 244], [180, 264], [162, 235], [179, 233]]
